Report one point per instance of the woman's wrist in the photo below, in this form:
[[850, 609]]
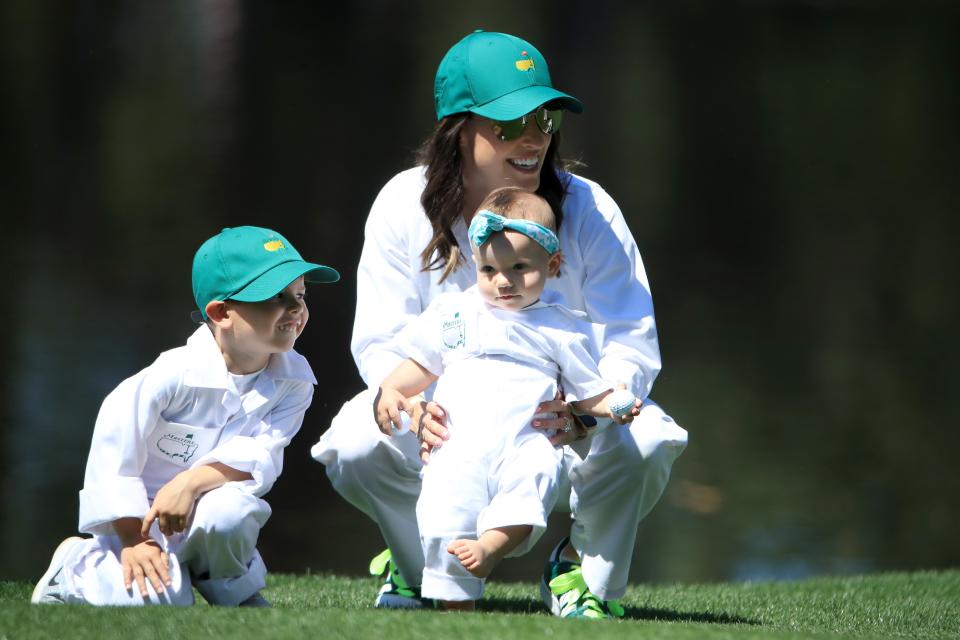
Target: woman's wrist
[[584, 425], [588, 422]]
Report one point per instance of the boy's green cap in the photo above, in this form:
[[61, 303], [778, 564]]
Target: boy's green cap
[[249, 264], [497, 76]]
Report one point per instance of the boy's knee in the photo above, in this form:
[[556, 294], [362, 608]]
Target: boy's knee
[[229, 512]]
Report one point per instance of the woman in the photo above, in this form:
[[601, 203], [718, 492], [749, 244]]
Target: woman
[[498, 116]]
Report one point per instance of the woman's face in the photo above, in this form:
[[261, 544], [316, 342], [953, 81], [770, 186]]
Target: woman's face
[[490, 163]]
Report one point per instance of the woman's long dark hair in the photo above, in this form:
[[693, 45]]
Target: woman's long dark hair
[[443, 196]]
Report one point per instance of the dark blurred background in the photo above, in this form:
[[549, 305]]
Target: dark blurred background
[[789, 169]]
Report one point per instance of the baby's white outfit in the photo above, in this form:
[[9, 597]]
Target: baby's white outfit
[[183, 411], [495, 367]]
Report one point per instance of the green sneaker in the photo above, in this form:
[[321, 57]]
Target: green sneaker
[[395, 592], [566, 594]]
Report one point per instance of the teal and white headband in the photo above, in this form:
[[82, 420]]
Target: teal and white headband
[[485, 223]]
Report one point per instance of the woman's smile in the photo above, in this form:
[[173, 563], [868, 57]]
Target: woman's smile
[[526, 165]]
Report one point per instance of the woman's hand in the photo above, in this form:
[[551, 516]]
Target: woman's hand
[[568, 428], [431, 430]]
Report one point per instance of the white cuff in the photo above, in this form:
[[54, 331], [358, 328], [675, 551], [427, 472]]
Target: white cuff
[[101, 504]]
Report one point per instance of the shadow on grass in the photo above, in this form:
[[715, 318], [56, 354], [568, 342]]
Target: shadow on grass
[[510, 605], [530, 605], [646, 613]]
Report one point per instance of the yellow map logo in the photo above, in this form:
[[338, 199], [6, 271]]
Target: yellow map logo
[[273, 245], [524, 65]]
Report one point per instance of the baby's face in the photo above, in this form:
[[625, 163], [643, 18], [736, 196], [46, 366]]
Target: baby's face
[[512, 270]]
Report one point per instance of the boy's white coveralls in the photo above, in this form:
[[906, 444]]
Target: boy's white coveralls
[[495, 367], [625, 469], [183, 411]]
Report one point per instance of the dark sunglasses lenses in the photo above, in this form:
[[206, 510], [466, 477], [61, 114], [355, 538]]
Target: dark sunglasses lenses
[[547, 120]]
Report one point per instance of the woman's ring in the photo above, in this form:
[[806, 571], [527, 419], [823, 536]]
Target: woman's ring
[[567, 425]]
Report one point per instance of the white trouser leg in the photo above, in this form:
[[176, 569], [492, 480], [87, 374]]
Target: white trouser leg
[[526, 490], [453, 494], [616, 486], [379, 475], [467, 492], [93, 574], [220, 546]]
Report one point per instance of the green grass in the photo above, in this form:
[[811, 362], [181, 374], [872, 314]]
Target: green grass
[[895, 605]]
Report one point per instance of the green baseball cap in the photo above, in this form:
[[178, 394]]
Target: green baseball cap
[[497, 76], [249, 264]]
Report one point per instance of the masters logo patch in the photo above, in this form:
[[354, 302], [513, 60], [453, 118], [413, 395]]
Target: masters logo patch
[[173, 447], [524, 65], [452, 332]]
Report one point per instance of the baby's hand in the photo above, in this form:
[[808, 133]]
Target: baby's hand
[[386, 409], [145, 561], [622, 405]]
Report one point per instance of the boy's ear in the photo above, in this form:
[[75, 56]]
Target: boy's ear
[[216, 311], [553, 265]]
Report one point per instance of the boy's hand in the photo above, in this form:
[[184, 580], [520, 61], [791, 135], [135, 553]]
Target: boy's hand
[[141, 559], [173, 505], [386, 410]]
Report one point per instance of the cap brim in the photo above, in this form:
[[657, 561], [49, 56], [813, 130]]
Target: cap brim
[[277, 279], [522, 101]]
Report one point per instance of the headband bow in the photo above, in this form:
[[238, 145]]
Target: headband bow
[[486, 223]]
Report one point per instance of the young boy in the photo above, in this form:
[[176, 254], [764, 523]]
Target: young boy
[[496, 351], [183, 451]]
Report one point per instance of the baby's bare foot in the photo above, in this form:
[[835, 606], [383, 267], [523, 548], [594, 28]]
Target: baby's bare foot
[[473, 557]]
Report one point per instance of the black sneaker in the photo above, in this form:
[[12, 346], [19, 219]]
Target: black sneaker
[[50, 588]]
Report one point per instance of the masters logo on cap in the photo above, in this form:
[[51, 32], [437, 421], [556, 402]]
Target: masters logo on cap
[[249, 264], [497, 76]]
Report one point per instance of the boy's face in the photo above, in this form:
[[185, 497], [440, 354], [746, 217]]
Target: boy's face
[[273, 325], [512, 270]]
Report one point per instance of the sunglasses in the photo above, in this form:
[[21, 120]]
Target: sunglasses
[[548, 121]]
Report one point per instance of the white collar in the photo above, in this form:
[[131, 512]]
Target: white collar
[[207, 368]]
